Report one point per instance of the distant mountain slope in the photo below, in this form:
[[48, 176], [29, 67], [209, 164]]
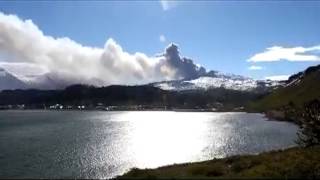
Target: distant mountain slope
[[83, 94], [214, 79], [299, 89], [9, 81], [220, 99], [203, 81]]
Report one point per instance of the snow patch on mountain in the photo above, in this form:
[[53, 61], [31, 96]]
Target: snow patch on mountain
[[208, 83], [215, 79], [227, 83]]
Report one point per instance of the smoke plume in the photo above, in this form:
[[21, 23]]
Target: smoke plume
[[24, 45]]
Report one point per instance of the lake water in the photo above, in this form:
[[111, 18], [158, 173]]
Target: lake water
[[96, 144]]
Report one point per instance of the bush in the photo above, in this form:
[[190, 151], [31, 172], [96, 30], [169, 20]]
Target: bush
[[309, 135]]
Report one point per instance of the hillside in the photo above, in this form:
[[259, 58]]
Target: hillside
[[299, 89], [219, 98]]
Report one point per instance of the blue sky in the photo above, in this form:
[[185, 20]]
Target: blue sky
[[219, 35]]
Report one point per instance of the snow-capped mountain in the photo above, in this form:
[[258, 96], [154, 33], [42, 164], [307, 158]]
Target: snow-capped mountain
[[210, 80], [214, 79], [9, 81]]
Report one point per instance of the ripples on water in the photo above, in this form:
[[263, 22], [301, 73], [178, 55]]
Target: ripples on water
[[74, 144]]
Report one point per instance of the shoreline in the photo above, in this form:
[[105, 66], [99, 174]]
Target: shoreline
[[292, 162]]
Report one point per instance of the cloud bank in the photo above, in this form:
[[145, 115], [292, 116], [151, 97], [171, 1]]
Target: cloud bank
[[278, 53], [25, 50]]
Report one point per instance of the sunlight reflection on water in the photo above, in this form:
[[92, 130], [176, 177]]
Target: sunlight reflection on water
[[159, 140]]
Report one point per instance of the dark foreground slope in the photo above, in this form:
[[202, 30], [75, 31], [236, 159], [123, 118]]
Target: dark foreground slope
[[290, 163]]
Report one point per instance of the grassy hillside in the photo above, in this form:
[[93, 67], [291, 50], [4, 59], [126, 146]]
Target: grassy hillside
[[305, 89], [290, 163]]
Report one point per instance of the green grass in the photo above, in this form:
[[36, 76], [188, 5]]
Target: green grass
[[290, 163]]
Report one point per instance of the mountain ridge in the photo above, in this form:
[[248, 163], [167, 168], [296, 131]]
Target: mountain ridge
[[9, 81], [203, 81], [215, 79], [299, 89]]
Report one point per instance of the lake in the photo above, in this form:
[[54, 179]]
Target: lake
[[97, 144]]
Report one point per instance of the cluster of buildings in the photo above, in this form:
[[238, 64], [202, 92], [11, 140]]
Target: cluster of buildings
[[101, 106], [18, 106]]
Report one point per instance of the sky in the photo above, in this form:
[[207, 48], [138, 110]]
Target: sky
[[258, 39]]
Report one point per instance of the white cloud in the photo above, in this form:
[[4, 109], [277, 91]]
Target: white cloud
[[278, 53], [255, 67], [26, 50], [162, 38], [278, 77], [168, 4]]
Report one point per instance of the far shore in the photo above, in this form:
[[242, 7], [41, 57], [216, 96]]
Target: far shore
[[171, 110]]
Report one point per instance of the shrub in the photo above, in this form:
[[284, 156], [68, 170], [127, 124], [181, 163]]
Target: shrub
[[309, 135]]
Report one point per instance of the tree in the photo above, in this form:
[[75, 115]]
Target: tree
[[309, 135]]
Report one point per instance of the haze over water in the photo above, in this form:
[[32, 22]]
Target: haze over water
[[93, 144]]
